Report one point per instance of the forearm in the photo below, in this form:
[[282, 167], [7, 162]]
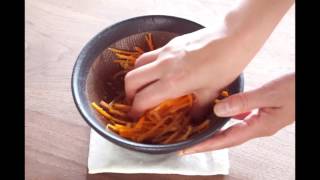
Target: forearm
[[242, 33], [251, 22]]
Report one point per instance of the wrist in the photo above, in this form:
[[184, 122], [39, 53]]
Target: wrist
[[251, 22]]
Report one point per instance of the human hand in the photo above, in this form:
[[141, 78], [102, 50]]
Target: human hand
[[193, 63], [276, 109], [205, 61]]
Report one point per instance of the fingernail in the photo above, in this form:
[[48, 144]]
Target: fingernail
[[223, 109]]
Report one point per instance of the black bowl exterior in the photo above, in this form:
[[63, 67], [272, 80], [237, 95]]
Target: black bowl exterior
[[112, 34]]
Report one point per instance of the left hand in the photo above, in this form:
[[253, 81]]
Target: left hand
[[276, 104]]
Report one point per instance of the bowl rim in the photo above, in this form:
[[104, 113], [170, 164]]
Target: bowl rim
[[91, 119]]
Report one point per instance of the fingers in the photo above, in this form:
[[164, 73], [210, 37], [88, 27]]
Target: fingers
[[271, 94], [232, 136], [145, 72], [201, 106], [147, 57], [151, 96], [241, 103], [139, 77]]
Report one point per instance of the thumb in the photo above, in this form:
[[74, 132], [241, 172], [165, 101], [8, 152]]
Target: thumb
[[240, 103]]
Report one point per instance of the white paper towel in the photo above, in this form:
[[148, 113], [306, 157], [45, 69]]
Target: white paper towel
[[105, 156]]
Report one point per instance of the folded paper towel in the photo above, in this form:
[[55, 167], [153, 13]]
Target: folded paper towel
[[105, 156]]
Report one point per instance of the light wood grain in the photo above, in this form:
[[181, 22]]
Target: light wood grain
[[57, 139]]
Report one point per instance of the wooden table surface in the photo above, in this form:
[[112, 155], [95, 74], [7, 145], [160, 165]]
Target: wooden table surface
[[57, 138]]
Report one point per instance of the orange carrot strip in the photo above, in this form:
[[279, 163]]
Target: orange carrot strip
[[160, 139], [140, 122], [121, 56], [225, 93], [170, 138], [171, 126], [111, 110], [153, 116], [178, 107], [201, 126], [120, 61], [148, 38], [122, 107], [186, 135], [129, 134], [107, 115], [122, 51], [151, 131], [112, 128], [123, 63], [138, 49]]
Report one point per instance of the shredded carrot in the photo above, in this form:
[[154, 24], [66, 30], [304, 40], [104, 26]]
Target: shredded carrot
[[172, 126], [152, 131], [186, 135], [168, 122], [148, 38], [201, 126], [112, 110], [107, 115], [170, 138], [140, 122], [126, 57], [123, 51], [121, 107], [139, 50], [111, 127], [224, 93], [123, 64]]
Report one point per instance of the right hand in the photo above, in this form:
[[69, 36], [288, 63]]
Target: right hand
[[203, 62]]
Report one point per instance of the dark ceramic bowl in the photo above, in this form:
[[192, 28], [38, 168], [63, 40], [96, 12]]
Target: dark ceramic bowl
[[93, 70]]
